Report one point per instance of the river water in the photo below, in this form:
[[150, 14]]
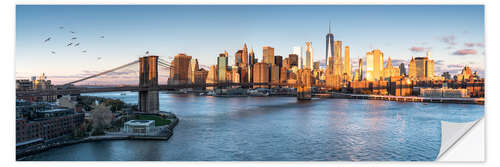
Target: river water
[[282, 129]]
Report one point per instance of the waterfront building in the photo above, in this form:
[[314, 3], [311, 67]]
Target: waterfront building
[[374, 65], [41, 83], [222, 62], [36, 122], [309, 56], [193, 67], [238, 57], [443, 92], [297, 50], [390, 71], [293, 60], [347, 64], [23, 85], [212, 75], [268, 55], [179, 69], [260, 74], [329, 46], [201, 76], [402, 69], [139, 127]]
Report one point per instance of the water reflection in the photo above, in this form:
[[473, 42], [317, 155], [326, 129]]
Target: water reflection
[[280, 128]]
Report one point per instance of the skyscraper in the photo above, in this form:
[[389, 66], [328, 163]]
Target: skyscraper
[[238, 57], [402, 69], [193, 67], [329, 46], [179, 69], [278, 60], [251, 58], [337, 59], [293, 60], [222, 67], [347, 64], [297, 50], [423, 68], [374, 65], [268, 55], [244, 56], [309, 56], [261, 74]]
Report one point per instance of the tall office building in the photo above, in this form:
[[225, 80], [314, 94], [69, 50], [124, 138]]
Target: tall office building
[[390, 71], [222, 62], [193, 67], [260, 74], [179, 69], [251, 58], [293, 60], [424, 68], [238, 57], [268, 55], [297, 50], [329, 46], [402, 69], [347, 64], [360, 70], [337, 59], [244, 56], [412, 69], [278, 60], [374, 65], [275, 73], [309, 56]]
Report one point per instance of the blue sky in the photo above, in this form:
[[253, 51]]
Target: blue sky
[[453, 33]]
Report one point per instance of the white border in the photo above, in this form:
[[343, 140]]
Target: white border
[[7, 9]]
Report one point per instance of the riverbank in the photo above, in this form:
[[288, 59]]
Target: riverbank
[[21, 154], [403, 98]]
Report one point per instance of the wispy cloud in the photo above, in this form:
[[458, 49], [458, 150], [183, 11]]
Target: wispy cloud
[[464, 52], [450, 40], [417, 49]]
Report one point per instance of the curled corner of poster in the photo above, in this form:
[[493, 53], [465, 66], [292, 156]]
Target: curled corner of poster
[[453, 149]]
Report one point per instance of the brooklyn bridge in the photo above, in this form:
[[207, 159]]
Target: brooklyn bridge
[[149, 86]]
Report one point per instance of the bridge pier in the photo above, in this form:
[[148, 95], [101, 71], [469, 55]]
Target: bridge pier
[[148, 83], [304, 91]]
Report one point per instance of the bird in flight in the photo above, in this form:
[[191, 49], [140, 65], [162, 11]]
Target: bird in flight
[[47, 40], [61, 27], [70, 44], [77, 44], [147, 52], [84, 51], [73, 38], [102, 36], [98, 58], [52, 52], [72, 32]]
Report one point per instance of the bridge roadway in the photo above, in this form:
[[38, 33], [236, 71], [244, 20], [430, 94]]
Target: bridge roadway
[[78, 90]]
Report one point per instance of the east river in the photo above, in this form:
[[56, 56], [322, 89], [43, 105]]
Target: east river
[[282, 129]]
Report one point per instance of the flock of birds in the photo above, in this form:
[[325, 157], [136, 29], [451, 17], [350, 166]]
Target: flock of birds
[[73, 42]]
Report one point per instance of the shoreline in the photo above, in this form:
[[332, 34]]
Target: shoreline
[[21, 155]]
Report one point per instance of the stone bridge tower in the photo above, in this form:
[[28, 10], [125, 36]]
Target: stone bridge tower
[[148, 84]]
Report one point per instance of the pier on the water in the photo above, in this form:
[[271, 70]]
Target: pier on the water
[[404, 98]]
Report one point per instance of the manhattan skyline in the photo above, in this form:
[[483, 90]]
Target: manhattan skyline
[[453, 33]]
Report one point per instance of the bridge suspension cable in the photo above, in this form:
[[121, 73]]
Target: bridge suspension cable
[[105, 72]]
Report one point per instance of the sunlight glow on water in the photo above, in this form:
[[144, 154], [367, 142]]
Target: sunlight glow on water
[[283, 129]]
